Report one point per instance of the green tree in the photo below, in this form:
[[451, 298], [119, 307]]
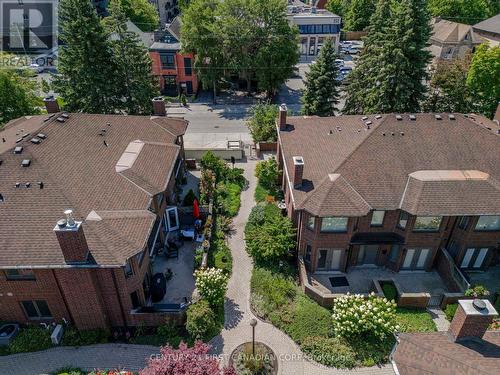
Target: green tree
[[267, 173], [338, 7], [198, 36], [272, 240], [86, 65], [262, 122], [392, 69], [251, 38], [17, 96], [142, 13], [463, 11], [277, 53], [483, 79], [133, 64], [357, 15], [448, 87], [321, 94], [200, 320]]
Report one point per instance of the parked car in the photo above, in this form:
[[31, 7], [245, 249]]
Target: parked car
[[345, 70], [36, 68], [339, 62]]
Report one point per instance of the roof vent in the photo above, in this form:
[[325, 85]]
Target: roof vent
[[438, 117], [41, 136], [61, 223], [330, 132], [364, 118], [451, 117], [26, 163], [18, 150], [60, 119], [399, 117], [413, 117], [36, 141], [402, 134], [40, 185], [28, 185], [70, 221], [368, 123], [393, 134], [4, 140], [1, 161], [479, 304], [65, 115], [383, 134], [378, 117], [18, 185], [2, 198]]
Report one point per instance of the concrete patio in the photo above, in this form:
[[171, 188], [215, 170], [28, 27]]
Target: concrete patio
[[360, 280], [181, 286]]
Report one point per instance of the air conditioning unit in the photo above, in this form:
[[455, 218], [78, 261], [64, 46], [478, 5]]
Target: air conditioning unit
[[57, 334]]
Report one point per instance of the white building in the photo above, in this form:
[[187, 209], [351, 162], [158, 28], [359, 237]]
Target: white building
[[315, 25]]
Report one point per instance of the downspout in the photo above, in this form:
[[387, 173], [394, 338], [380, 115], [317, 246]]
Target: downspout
[[122, 310], [63, 297]]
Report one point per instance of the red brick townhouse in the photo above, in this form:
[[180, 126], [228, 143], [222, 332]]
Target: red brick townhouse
[[174, 69], [391, 190], [117, 175]]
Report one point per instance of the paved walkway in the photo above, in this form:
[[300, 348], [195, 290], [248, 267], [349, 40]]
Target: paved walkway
[[238, 314], [102, 356], [439, 318]]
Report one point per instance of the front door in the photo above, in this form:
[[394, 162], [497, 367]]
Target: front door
[[367, 254], [172, 219]]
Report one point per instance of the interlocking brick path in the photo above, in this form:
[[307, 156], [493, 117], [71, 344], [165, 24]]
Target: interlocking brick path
[[236, 331]]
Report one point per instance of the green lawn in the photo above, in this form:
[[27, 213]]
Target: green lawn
[[413, 320], [276, 298]]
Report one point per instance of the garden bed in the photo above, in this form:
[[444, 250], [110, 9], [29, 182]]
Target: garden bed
[[262, 362]]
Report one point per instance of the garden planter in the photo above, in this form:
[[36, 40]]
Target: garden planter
[[265, 362]]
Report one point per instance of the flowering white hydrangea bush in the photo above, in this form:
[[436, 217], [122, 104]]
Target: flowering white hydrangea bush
[[354, 315], [212, 285]]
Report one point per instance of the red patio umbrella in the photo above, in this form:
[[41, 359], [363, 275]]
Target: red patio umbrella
[[196, 209]]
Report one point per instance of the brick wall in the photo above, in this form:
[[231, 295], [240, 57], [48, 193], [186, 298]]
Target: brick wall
[[468, 326], [44, 287]]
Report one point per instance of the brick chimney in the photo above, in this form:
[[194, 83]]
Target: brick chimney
[[472, 319], [282, 117], [51, 104], [298, 171], [71, 239], [159, 106]]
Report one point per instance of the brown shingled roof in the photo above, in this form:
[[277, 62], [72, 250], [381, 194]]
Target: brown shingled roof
[[376, 160], [79, 171], [436, 353]]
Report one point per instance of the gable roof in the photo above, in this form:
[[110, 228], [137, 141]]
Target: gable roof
[[77, 163], [377, 155], [491, 25], [445, 31], [435, 353]]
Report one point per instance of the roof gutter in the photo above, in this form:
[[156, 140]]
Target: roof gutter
[[391, 356], [60, 266]]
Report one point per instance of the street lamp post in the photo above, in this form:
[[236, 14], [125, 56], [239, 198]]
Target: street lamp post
[[253, 323]]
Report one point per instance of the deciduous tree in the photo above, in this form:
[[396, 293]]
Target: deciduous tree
[[262, 122], [448, 87], [483, 79], [17, 96], [357, 15], [464, 11], [321, 94], [186, 361], [143, 13]]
